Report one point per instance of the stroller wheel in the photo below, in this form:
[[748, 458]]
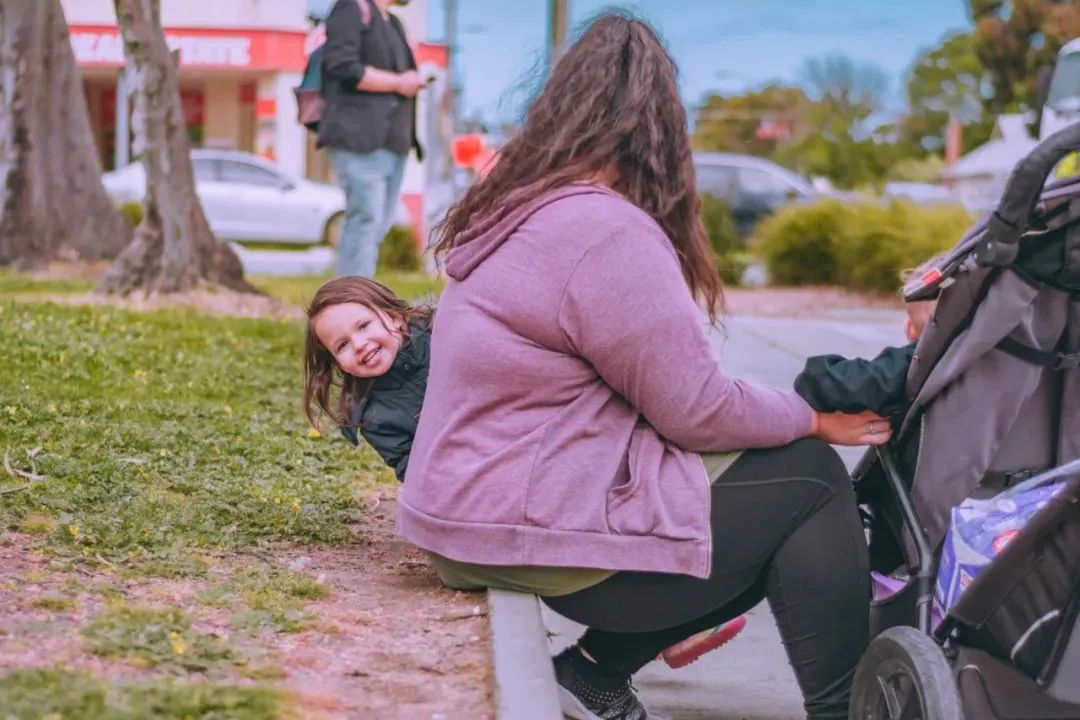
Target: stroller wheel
[[904, 676]]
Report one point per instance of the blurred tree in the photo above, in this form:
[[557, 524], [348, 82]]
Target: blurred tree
[[850, 92], [52, 202], [946, 81], [926, 169], [173, 249], [756, 123], [837, 142], [1015, 39]]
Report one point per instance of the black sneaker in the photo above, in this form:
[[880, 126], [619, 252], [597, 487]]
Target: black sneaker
[[585, 696]]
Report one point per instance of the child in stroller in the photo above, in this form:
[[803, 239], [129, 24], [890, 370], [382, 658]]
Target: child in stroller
[[832, 383], [991, 396]]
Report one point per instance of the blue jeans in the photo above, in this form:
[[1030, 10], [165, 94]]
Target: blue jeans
[[372, 184]]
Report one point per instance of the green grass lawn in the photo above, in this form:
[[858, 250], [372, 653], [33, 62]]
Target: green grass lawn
[[13, 283], [143, 444], [163, 432], [66, 695]]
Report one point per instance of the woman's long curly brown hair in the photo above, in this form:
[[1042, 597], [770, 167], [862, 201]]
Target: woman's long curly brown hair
[[611, 107], [322, 376]]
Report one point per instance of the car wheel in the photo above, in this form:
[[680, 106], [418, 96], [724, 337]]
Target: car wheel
[[904, 676], [332, 230]]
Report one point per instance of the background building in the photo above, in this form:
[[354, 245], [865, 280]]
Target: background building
[[978, 178], [239, 63]]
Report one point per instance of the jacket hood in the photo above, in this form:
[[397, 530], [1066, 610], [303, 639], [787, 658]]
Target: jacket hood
[[478, 242]]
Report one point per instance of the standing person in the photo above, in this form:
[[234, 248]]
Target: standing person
[[369, 122], [579, 439]]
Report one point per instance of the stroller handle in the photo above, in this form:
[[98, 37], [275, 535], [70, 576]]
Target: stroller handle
[[1009, 221]]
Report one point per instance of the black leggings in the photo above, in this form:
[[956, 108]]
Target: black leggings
[[784, 527]]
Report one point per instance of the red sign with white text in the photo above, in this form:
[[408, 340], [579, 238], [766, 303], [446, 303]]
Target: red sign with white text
[[208, 48]]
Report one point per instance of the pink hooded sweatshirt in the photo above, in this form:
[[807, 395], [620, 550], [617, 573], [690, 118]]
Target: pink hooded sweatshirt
[[571, 389]]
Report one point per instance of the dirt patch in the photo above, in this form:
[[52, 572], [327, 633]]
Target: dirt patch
[[391, 642], [770, 302], [72, 270], [388, 641]]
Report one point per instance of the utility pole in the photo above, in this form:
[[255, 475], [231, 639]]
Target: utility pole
[[452, 60], [558, 25]]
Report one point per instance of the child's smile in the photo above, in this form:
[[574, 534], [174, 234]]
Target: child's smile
[[364, 343]]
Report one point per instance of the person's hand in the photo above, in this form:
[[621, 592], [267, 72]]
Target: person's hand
[[865, 428], [410, 83]]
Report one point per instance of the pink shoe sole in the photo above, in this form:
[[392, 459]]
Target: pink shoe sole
[[683, 653]]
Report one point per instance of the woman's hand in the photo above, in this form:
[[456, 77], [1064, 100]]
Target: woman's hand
[[865, 428]]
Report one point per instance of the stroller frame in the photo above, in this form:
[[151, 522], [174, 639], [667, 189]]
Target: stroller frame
[[946, 662], [944, 668]]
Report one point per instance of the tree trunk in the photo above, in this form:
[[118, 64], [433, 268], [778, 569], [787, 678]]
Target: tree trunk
[[173, 249], [52, 202]]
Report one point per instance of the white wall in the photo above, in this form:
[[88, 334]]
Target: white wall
[[414, 17], [290, 148], [267, 14]]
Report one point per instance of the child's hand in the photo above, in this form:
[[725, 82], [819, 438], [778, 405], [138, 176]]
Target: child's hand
[[865, 428]]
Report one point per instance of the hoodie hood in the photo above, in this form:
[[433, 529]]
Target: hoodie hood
[[478, 243]]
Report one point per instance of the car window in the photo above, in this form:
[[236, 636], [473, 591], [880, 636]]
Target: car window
[[205, 169], [715, 180], [758, 182], [242, 173]]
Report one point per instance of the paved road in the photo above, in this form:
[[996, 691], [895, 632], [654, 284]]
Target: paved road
[[750, 678]]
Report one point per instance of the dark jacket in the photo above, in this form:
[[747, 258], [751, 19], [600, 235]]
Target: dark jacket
[[355, 120], [386, 417], [831, 383]]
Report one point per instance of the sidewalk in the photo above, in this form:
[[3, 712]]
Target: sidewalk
[[749, 679]]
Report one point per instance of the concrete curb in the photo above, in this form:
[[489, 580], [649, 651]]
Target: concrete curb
[[525, 687]]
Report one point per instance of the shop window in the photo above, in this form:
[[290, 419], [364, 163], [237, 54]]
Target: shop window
[[193, 105]]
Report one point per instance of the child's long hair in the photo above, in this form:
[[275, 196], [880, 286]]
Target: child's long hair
[[612, 102], [322, 376]]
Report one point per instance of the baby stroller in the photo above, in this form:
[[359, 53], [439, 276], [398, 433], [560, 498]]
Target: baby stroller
[[993, 399]]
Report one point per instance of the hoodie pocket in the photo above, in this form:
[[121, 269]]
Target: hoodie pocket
[[665, 494]]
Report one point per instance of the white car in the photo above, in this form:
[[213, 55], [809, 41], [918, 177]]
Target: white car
[[248, 199]]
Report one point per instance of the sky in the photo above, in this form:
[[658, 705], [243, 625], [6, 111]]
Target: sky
[[726, 46]]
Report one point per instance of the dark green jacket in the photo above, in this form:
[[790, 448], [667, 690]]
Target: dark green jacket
[[831, 383], [386, 417]]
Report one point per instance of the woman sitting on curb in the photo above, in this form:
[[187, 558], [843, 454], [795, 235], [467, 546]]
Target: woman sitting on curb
[[577, 436]]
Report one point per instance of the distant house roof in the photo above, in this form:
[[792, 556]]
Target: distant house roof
[[1008, 145]]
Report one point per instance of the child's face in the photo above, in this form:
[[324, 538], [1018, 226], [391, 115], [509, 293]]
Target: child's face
[[363, 342]]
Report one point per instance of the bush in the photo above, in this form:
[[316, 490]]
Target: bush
[[719, 223], [133, 211], [861, 246], [797, 243], [926, 169], [399, 250]]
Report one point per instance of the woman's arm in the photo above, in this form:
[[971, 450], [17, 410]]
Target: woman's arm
[[628, 311], [342, 56], [831, 383]]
